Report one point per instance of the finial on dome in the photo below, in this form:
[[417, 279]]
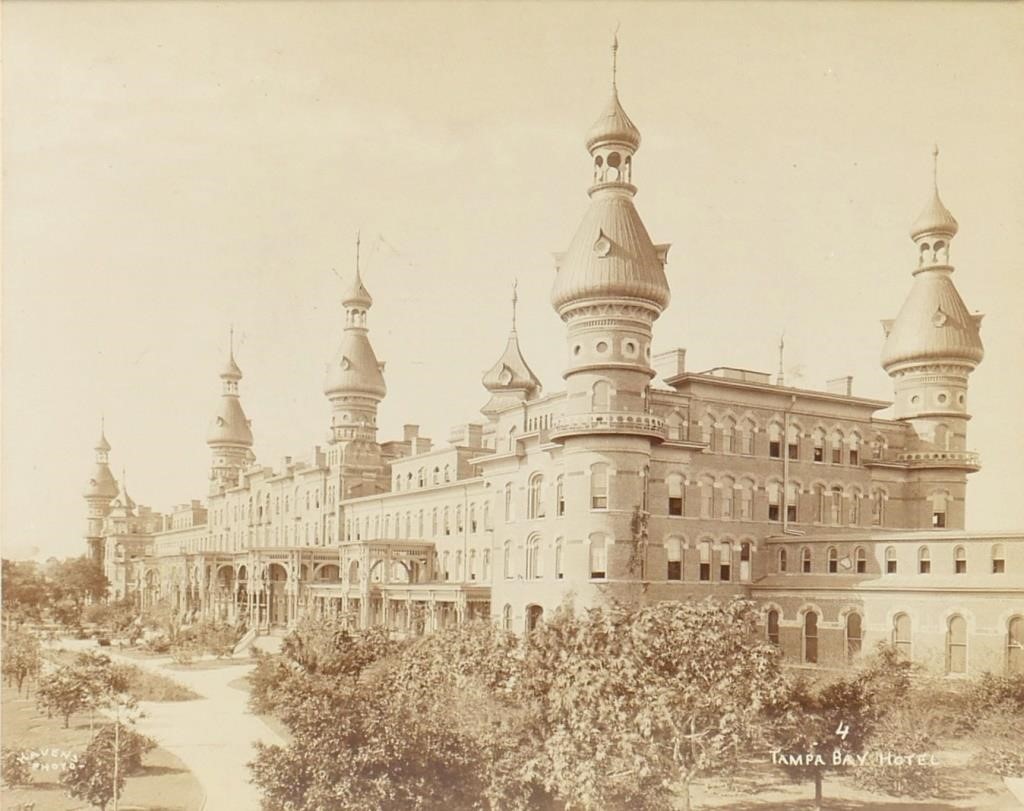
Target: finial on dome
[[935, 219], [231, 372], [357, 295], [515, 301], [935, 168], [615, 58]]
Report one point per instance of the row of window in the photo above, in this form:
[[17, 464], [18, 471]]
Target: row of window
[[439, 475], [858, 563], [258, 508], [901, 636], [443, 521]]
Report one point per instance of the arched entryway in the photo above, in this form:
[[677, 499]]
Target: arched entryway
[[277, 578]]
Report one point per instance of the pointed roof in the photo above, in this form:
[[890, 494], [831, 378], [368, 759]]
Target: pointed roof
[[934, 219], [102, 445], [229, 425], [230, 370], [613, 126], [511, 371], [123, 504], [355, 368], [101, 484], [356, 293]]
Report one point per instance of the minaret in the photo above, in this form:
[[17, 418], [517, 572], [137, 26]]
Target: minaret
[[99, 492], [230, 434], [930, 349], [510, 380], [610, 285], [355, 381]]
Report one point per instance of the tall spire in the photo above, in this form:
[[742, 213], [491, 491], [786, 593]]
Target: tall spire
[[515, 300], [615, 60], [510, 380], [935, 219], [935, 168]]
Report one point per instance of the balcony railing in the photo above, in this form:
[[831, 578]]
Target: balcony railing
[[968, 459], [608, 422]]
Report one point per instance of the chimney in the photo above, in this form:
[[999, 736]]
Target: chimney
[[840, 385], [421, 445], [670, 364], [410, 432]]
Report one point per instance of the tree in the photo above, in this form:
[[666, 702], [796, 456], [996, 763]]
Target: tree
[[81, 579], [634, 700], [21, 657], [828, 725], [63, 692], [97, 776], [24, 588]]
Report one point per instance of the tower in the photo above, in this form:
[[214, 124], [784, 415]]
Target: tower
[[230, 434], [510, 380], [99, 492], [930, 349], [354, 385]]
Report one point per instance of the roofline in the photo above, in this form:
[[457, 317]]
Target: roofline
[[686, 377], [901, 535]]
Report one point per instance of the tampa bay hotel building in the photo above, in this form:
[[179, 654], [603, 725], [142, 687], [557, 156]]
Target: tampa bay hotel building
[[641, 480]]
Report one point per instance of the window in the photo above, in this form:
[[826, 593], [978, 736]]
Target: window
[[459, 525], [805, 560], [890, 560], [854, 635], [745, 561], [485, 569], [773, 501], [447, 473], [836, 506], [447, 523], [599, 486], [705, 561], [506, 617], [675, 494], [674, 552], [854, 449], [746, 500], [707, 497], [998, 559], [782, 560], [472, 564], [837, 447], [773, 627], [1015, 645], [433, 521], [421, 477], [792, 500], [819, 503], [534, 566], [877, 501], [487, 515], [956, 645], [601, 398], [559, 573], [775, 441], [960, 560], [747, 430], [833, 560], [512, 439], [819, 445], [507, 560], [860, 560], [727, 489], [728, 435], [535, 502], [707, 431], [901, 635], [508, 501], [436, 478], [472, 518], [598, 556], [725, 562], [938, 509], [810, 638], [924, 561], [793, 442], [560, 496], [444, 566], [854, 512]]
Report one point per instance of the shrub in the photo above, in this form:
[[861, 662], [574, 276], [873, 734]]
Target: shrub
[[90, 776], [184, 653], [899, 776], [16, 766]]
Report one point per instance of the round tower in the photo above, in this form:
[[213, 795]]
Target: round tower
[[230, 434], [99, 492], [355, 380], [930, 350]]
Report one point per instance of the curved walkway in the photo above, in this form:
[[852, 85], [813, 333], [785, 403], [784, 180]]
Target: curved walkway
[[213, 735]]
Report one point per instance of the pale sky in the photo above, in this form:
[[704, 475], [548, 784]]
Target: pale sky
[[173, 168]]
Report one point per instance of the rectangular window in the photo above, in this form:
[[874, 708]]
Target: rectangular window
[[819, 454], [938, 519], [854, 456], [705, 572], [890, 567], [925, 567], [599, 487], [675, 506], [791, 512], [998, 566], [675, 570], [961, 567], [837, 454], [773, 512], [775, 449], [725, 572], [793, 450]]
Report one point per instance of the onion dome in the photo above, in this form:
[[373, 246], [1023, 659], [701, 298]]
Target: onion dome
[[511, 371], [102, 446], [933, 325], [613, 126], [231, 370], [935, 219], [611, 256], [356, 294]]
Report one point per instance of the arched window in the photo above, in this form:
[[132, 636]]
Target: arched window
[[877, 507], [782, 560], [472, 518], [436, 478], [747, 431], [728, 485], [705, 561], [433, 521], [924, 561], [1015, 645], [559, 573], [854, 449], [833, 560], [506, 617], [939, 509], [533, 561], [773, 626], [998, 559], [512, 439], [854, 634], [890, 560], [560, 496], [601, 396], [421, 478], [485, 568], [793, 442], [447, 473], [860, 557], [960, 560], [387, 526], [745, 561], [854, 513], [746, 500], [774, 491], [675, 494], [819, 445], [535, 502], [707, 431], [707, 497], [447, 523], [836, 506], [458, 566], [837, 447], [810, 637], [599, 486], [792, 500], [507, 559], [819, 503], [444, 567], [775, 440], [729, 435], [398, 481], [901, 635], [674, 553], [805, 560], [459, 525], [419, 524], [508, 502], [487, 515], [956, 645], [598, 556], [725, 562], [472, 564]]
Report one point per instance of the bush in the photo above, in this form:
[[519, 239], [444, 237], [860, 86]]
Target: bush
[[132, 746], [899, 733], [16, 766], [90, 776], [184, 652]]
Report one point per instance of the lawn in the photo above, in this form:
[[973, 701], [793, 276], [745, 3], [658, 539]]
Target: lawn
[[142, 684], [164, 784]]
